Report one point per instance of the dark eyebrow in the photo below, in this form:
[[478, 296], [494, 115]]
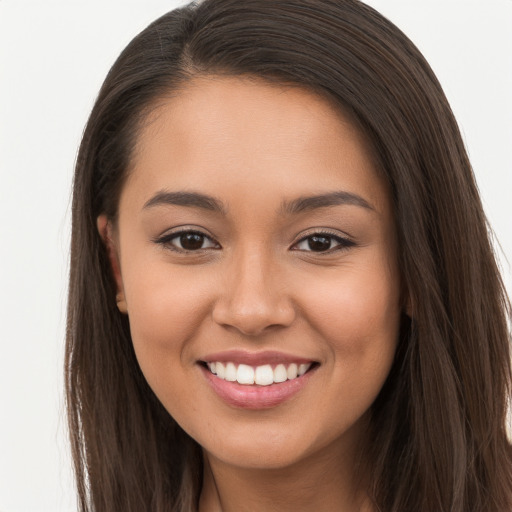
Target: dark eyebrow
[[306, 203], [182, 198]]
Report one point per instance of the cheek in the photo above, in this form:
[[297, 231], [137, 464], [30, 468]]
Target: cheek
[[166, 311], [355, 304], [357, 316], [165, 303]]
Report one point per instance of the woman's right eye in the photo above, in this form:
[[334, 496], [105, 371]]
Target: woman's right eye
[[187, 241]]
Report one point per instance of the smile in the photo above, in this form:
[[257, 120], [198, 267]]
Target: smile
[[263, 375], [256, 381]]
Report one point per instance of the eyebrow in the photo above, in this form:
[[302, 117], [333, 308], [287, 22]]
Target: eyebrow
[[182, 198], [299, 205], [307, 203]]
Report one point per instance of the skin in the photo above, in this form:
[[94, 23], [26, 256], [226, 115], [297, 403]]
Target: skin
[[256, 285]]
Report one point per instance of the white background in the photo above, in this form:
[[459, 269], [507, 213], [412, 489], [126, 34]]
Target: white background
[[53, 58]]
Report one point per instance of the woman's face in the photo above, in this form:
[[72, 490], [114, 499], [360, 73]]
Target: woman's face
[[256, 239]]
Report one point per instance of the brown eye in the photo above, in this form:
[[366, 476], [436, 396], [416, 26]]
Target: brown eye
[[187, 241], [191, 241], [319, 243], [323, 242]]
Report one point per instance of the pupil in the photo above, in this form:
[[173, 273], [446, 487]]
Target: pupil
[[319, 243], [191, 241]]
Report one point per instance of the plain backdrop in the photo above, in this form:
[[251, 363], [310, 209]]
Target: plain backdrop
[[53, 58]]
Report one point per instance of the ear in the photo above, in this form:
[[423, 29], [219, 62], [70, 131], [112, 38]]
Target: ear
[[106, 233]]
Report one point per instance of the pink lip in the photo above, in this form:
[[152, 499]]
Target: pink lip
[[255, 358], [256, 397]]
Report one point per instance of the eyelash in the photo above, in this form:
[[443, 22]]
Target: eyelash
[[166, 240], [344, 243]]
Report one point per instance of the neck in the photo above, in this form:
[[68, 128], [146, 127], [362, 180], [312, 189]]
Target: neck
[[329, 481]]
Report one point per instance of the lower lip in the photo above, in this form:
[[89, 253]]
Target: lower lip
[[253, 396]]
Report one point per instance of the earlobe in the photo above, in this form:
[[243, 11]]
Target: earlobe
[[106, 233], [121, 303]]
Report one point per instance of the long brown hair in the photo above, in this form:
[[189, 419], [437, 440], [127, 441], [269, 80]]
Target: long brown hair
[[439, 439]]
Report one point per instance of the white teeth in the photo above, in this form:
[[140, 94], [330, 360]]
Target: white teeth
[[292, 371], [230, 372], [280, 374], [303, 368], [220, 370], [245, 374], [263, 375]]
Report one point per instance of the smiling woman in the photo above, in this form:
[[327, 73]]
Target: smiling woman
[[276, 195], [229, 304]]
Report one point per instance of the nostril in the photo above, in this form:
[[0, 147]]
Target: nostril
[[253, 319]]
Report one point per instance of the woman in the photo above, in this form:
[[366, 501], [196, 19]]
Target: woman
[[282, 292]]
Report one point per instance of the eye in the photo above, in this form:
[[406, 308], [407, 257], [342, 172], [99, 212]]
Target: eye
[[187, 241], [322, 242]]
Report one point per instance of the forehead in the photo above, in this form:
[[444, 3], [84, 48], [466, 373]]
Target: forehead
[[220, 133]]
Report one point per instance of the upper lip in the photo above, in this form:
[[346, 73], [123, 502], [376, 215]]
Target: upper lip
[[255, 358]]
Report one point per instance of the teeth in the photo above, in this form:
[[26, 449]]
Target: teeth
[[280, 373], [291, 373], [263, 375], [220, 370], [231, 372], [303, 368], [245, 374]]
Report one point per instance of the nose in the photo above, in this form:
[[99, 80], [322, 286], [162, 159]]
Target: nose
[[255, 298]]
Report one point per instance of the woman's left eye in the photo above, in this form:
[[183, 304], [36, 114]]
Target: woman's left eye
[[188, 241], [323, 242]]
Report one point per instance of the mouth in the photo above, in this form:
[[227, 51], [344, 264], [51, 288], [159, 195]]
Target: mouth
[[262, 375], [256, 381]]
